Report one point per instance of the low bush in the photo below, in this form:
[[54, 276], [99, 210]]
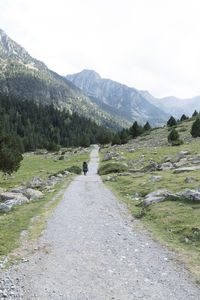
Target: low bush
[[75, 170], [111, 168]]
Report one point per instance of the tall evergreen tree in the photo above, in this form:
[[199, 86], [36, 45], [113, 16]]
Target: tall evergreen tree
[[171, 122], [195, 130]]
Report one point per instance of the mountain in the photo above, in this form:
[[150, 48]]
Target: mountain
[[128, 102], [173, 105], [27, 78]]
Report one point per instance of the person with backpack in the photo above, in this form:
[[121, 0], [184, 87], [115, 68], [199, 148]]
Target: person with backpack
[[85, 168]]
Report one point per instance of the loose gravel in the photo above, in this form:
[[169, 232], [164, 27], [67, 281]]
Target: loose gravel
[[90, 250]]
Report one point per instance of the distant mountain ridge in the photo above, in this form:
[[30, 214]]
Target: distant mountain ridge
[[129, 103], [24, 77], [173, 105]]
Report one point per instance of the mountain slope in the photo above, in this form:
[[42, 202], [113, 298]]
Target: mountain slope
[[127, 101], [24, 77], [173, 105]]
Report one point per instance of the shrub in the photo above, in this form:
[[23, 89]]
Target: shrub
[[174, 138], [74, 169], [53, 147], [111, 168]]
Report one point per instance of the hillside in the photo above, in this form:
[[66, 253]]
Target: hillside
[[26, 78], [129, 103], [160, 185]]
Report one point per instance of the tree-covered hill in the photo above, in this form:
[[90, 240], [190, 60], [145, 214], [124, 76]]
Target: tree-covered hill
[[42, 126]]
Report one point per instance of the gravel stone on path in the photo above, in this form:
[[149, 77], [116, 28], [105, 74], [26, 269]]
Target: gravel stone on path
[[91, 251]]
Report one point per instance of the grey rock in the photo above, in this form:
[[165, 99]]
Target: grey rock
[[155, 178], [186, 169], [120, 158], [151, 200], [190, 179], [131, 163], [11, 200], [181, 163], [107, 156], [36, 182], [33, 194], [161, 192], [166, 166], [191, 194], [185, 152]]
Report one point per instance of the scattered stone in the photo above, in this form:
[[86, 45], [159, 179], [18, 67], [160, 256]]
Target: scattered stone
[[11, 200], [186, 169], [166, 166], [158, 196], [191, 194], [107, 156], [36, 182], [181, 163], [119, 158], [155, 178], [33, 194], [190, 179]]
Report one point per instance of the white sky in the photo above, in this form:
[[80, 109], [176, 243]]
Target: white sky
[[151, 45]]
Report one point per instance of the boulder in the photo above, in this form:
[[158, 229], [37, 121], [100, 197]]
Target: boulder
[[191, 194], [10, 196], [119, 158], [181, 163], [33, 194], [185, 152], [11, 199], [158, 196], [151, 200], [36, 182], [166, 166], [186, 169], [190, 179], [107, 156], [155, 178]]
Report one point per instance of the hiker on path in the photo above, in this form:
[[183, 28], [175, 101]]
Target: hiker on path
[[85, 168]]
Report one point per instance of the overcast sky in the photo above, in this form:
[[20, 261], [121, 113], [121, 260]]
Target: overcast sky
[[151, 45]]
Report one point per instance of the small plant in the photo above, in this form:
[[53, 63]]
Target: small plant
[[174, 138]]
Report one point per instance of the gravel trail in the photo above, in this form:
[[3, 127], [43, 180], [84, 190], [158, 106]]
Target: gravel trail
[[90, 250]]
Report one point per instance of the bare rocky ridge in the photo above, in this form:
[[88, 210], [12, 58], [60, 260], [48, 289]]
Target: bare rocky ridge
[[90, 250]]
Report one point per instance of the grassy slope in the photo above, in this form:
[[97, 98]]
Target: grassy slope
[[32, 216], [173, 223]]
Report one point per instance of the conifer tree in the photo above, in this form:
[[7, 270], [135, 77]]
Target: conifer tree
[[195, 130], [171, 122]]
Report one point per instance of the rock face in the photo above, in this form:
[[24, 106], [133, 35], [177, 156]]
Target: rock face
[[128, 101]]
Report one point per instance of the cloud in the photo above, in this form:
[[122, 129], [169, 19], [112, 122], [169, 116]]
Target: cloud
[[150, 44]]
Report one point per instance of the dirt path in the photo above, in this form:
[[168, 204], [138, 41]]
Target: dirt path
[[90, 250]]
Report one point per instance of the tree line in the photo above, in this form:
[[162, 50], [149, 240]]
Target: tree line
[[26, 126]]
